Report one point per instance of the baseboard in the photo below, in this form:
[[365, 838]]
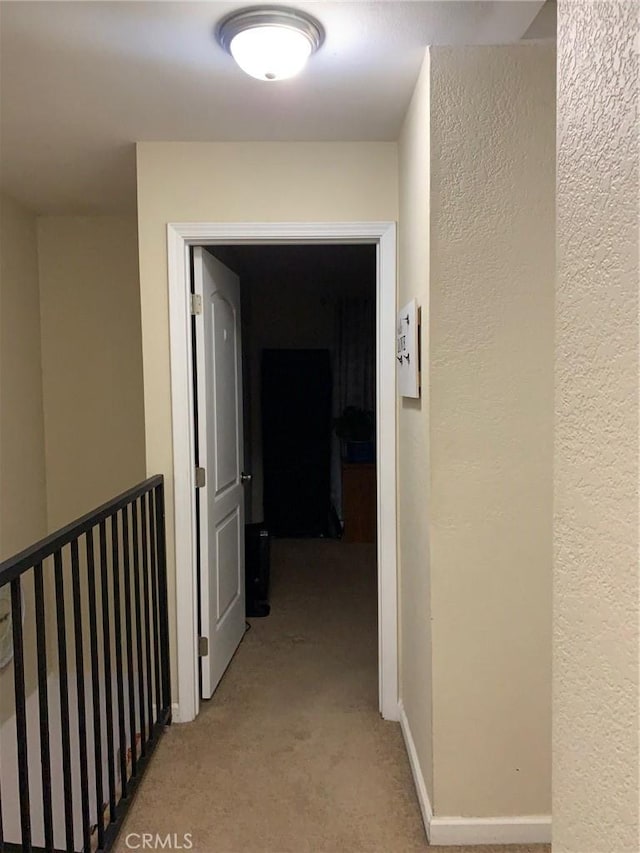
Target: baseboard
[[453, 831], [175, 712], [416, 770]]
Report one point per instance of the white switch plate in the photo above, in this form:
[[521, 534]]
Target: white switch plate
[[408, 350]]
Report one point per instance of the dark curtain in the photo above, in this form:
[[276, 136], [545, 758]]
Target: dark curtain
[[354, 371]]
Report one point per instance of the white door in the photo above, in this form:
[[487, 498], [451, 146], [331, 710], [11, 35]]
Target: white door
[[220, 453]]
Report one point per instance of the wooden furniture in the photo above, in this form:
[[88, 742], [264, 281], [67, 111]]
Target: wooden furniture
[[359, 501]]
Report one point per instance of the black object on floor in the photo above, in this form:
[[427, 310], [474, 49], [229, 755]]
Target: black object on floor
[[257, 562], [296, 441]]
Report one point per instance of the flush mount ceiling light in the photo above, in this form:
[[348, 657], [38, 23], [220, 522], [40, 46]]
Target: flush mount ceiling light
[[270, 42]]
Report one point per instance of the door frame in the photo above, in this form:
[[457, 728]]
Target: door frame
[[180, 238]]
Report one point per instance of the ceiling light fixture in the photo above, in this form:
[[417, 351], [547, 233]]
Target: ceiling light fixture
[[270, 42]]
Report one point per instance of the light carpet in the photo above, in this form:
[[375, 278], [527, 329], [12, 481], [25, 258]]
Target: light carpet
[[291, 755]]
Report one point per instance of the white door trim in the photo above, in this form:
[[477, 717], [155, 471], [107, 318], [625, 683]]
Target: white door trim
[[180, 237]]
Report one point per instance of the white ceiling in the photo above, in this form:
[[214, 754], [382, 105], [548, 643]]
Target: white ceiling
[[82, 81]]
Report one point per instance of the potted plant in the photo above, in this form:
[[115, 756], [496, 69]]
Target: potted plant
[[356, 429]]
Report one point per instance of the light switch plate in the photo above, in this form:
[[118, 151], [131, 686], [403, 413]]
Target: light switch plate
[[408, 350]]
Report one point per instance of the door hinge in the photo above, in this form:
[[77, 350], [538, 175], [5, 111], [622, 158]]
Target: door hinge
[[203, 647], [201, 478], [196, 303]]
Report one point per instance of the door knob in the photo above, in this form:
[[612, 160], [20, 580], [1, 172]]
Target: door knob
[[245, 478]]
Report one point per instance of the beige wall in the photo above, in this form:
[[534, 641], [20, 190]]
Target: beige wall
[[236, 182], [22, 467], [92, 361], [491, 397], [413, 433], [22, 464], [596, 591]]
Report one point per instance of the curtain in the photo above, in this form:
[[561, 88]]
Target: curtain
[[354, 372]]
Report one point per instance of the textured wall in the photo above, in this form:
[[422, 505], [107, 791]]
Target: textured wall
[[92, 361], [595, 742], [413, 433], [237, 182], [491, 352], [22, 470]]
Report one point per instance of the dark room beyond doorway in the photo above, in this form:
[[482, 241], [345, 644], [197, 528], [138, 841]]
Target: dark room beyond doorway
[[309, 354]]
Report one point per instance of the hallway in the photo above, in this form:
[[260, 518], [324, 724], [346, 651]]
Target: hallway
[[291, 755]]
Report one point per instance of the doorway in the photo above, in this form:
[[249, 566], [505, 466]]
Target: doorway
[[181, 237], [305, 318]]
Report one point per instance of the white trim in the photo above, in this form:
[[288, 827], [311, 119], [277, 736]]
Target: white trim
[[180, 236], [461, 831], [416, 770], [183, 473], [454, 831], [386, 467]]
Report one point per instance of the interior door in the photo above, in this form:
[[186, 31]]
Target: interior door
[[220, 453]]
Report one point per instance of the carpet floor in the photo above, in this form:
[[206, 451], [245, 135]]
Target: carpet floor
[[291, 755]]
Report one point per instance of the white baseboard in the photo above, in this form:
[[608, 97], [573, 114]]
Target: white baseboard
[[453, 831], [175, 712], [416, 770]]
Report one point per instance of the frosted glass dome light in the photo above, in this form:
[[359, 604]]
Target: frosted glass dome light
[[270, 43], [270, 53]]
